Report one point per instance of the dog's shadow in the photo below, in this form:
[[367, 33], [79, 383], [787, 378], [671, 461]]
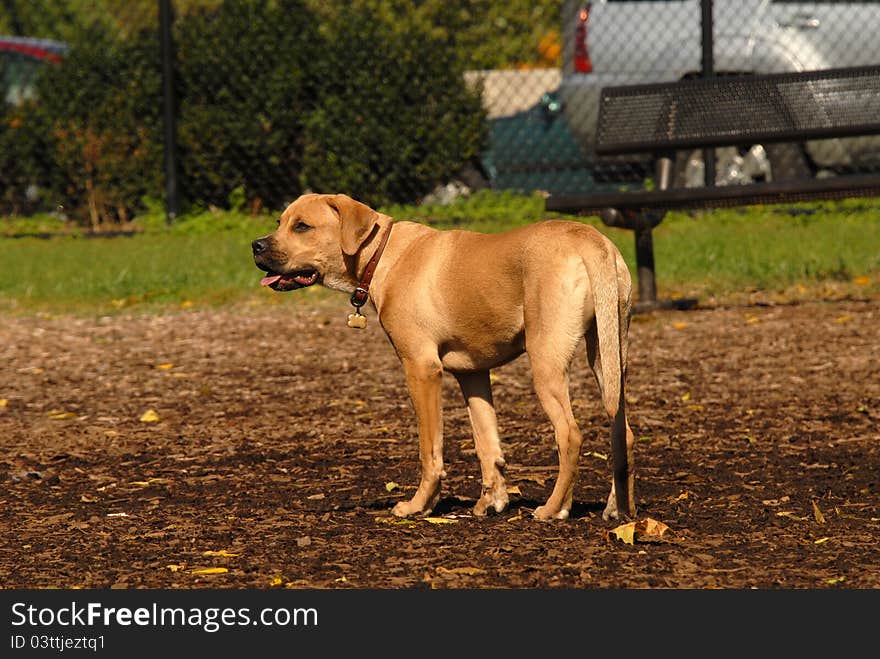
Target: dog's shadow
[[525, 507], [455, 506]]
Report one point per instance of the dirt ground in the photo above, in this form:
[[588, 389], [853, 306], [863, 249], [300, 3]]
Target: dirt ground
[[264, 446]]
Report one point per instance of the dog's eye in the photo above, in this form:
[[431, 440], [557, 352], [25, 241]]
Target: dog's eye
[[299, 227]]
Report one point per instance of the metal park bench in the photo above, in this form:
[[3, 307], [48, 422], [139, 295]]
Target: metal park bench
[[658, 120]]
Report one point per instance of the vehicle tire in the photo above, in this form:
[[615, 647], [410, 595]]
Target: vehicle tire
[[743, 165]]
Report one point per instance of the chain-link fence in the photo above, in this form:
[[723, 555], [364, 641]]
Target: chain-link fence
[[386, 100]]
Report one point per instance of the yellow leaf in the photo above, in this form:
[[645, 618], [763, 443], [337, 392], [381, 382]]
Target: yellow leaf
[[175, 568], [625, 532], [644, 530], [751, 320], [164, 367], [391, 486], [3, 402], [210, 570], [60, 414], [686, 397], [514, 489], [817, 514], [150, 416], [439, 520], [515, 518], [821, 540], [276, 581], [222, 552], [835, 580], [186, 304], [862, 281], [470, 571], [681, 497], [596, 454], [844, 319], [679, 325]]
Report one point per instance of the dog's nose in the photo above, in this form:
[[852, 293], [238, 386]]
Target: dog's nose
[[259, 246]]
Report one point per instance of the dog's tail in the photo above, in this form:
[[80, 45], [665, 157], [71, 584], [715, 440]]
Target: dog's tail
[[612, 298], [612, 307]]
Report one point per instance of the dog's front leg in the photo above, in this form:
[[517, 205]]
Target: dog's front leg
[[424, 378], [477, 391]]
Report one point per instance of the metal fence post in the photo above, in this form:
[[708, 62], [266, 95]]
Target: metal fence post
[[708, 51], [172, 207]]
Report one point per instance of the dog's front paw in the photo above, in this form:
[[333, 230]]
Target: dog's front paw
[[546, 512], [409, 508], [493, 499]]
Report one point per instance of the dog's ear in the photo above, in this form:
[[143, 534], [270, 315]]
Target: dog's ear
[[357, 221]]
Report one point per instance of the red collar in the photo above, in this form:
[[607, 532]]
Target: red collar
[[361, 293]]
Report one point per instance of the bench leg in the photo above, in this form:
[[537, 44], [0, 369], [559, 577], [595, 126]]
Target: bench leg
[[645, 265]]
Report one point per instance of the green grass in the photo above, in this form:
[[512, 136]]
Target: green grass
[[204, 260]]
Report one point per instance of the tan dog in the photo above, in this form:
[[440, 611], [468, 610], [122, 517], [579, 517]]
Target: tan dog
[[465, 303]]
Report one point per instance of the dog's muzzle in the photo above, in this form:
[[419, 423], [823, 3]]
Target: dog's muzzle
[[276, 279]]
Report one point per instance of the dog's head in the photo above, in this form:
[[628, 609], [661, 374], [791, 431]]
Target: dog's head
[[317, 241]]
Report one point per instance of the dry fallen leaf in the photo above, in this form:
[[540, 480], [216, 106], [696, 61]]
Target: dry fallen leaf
[[175, 568], [514, 489], [276, 581], [625, 532], [817, 514], [222, 552], [644, 530], [164, 367], [862, 281], [60, 414], [150, 416], [821, 540], [439, 520], [391, 486], [3, 402], [679, 325], [210, 570]]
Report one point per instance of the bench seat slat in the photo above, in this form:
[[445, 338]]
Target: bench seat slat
[[836, 187], [730, 110]]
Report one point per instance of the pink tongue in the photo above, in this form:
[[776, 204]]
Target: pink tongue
[[265, 281]]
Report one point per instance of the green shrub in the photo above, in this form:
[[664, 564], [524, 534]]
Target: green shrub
[[24, 169], [394, 117], [244, 85], [101, 111]]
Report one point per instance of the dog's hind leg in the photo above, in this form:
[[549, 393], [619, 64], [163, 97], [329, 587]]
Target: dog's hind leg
[[477, 392], [550, 356], [423, 378]]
